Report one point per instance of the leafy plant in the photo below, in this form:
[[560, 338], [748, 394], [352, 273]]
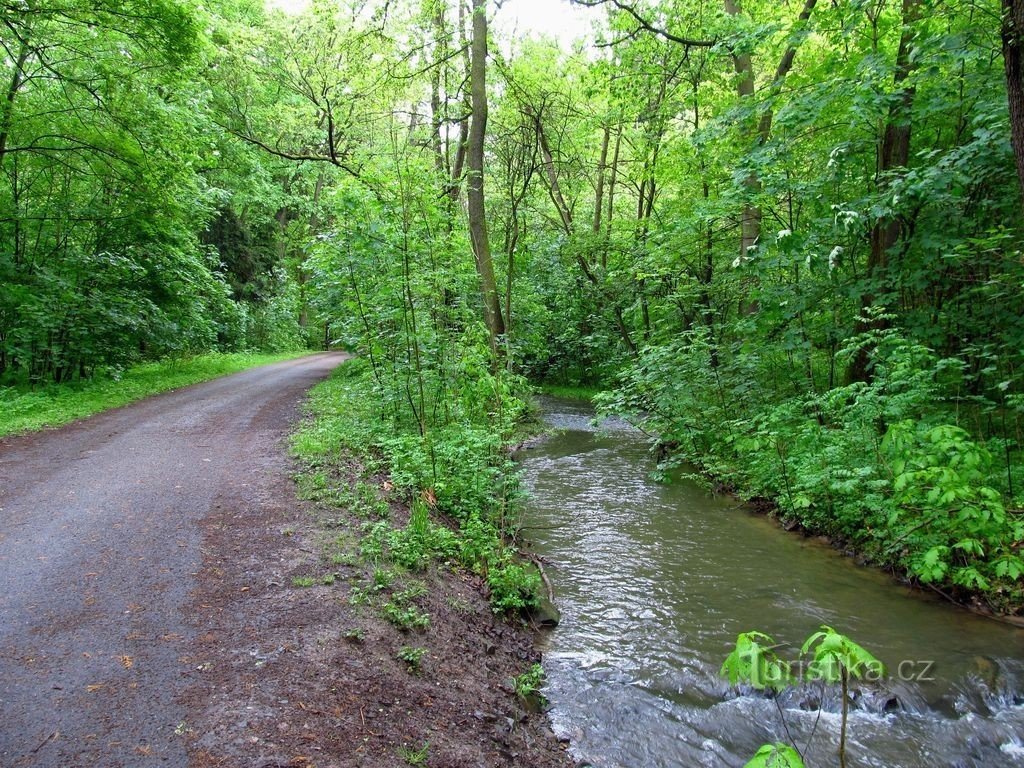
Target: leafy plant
[[833, 658], [412, 657], [776, 756], [528, 684], [754, 661]]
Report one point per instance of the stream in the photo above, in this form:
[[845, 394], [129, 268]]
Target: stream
[[654, 582]]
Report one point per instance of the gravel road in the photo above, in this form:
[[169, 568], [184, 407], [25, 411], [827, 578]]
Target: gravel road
[[100, 547]]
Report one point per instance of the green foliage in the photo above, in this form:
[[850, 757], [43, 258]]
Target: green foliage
[[832, 658], [873, 464], [835, 655], [529, 682], [753, 661], [473, 484], [776, 756], [421, 542], [807, 318], [413, 756], [950, 521], [513, 586], [405, 617], [412, 657]]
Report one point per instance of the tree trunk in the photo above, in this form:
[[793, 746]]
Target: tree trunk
[[750, 220], [475, 184], [599, 192], [564, 214], [1013, 62], [7, 116], [894, 152], [611, 199]]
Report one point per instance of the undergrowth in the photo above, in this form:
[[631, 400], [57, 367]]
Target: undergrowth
[[893, 467], [457, 480]]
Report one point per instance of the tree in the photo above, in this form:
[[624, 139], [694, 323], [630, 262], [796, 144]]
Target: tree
[[1013, 62], [476, 205]]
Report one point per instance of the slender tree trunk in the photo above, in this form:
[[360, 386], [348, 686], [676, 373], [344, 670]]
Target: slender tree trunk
[[565, 214], [7, 115], [894, 153], [599, 192], [552, 175], [301, 276], [437, 114], [459, 164], [475, 185], [750, 220], [764, 125], [611, 198], [1013, 62]]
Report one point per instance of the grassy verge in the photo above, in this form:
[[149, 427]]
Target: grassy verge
[[425, 500], [563, 390], [25, 410]]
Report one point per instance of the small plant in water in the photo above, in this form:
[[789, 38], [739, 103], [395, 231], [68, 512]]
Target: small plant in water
[[834, 658], [530, 681], [527, 687]]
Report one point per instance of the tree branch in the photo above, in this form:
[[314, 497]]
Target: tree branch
[[689, 42]]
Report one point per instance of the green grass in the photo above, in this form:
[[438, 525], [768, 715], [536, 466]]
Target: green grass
[[564, 390], [23, 409]]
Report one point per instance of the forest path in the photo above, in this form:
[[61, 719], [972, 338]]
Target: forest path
[[100, 547]]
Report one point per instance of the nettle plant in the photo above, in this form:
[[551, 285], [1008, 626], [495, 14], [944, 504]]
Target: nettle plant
[[950, 523], [826, 655]]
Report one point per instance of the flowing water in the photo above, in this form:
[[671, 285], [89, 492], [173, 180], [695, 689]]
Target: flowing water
[[654, 581]]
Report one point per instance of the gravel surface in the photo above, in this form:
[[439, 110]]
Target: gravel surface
[[101, 546]]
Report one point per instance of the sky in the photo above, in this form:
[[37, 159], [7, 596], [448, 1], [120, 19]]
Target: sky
[[519, 18], [553, 17]]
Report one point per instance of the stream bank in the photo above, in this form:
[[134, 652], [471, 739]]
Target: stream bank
[[298, 666], [655, 581]]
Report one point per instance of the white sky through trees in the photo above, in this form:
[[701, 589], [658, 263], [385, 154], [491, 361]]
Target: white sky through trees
[[518, 18]]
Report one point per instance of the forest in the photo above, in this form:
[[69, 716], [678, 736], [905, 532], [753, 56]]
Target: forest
[[785, 238]]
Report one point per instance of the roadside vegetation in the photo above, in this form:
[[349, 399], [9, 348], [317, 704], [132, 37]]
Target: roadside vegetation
[[25, 408], [454, 489]]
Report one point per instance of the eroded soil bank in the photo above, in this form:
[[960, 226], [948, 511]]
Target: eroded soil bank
[[298, 666]]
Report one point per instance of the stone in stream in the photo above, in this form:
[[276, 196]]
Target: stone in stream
[[545, 614]]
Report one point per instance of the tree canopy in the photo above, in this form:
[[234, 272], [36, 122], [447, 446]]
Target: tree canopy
[[786, 235]]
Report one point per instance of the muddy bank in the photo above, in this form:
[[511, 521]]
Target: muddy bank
[[298, 666]]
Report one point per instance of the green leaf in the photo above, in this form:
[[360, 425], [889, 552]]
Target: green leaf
[[776, 756]]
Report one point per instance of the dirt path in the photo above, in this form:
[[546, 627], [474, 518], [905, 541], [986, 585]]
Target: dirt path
[[165, 599], [101, 543]]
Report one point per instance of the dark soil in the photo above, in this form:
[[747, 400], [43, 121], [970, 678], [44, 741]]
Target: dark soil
[[301, 676]]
